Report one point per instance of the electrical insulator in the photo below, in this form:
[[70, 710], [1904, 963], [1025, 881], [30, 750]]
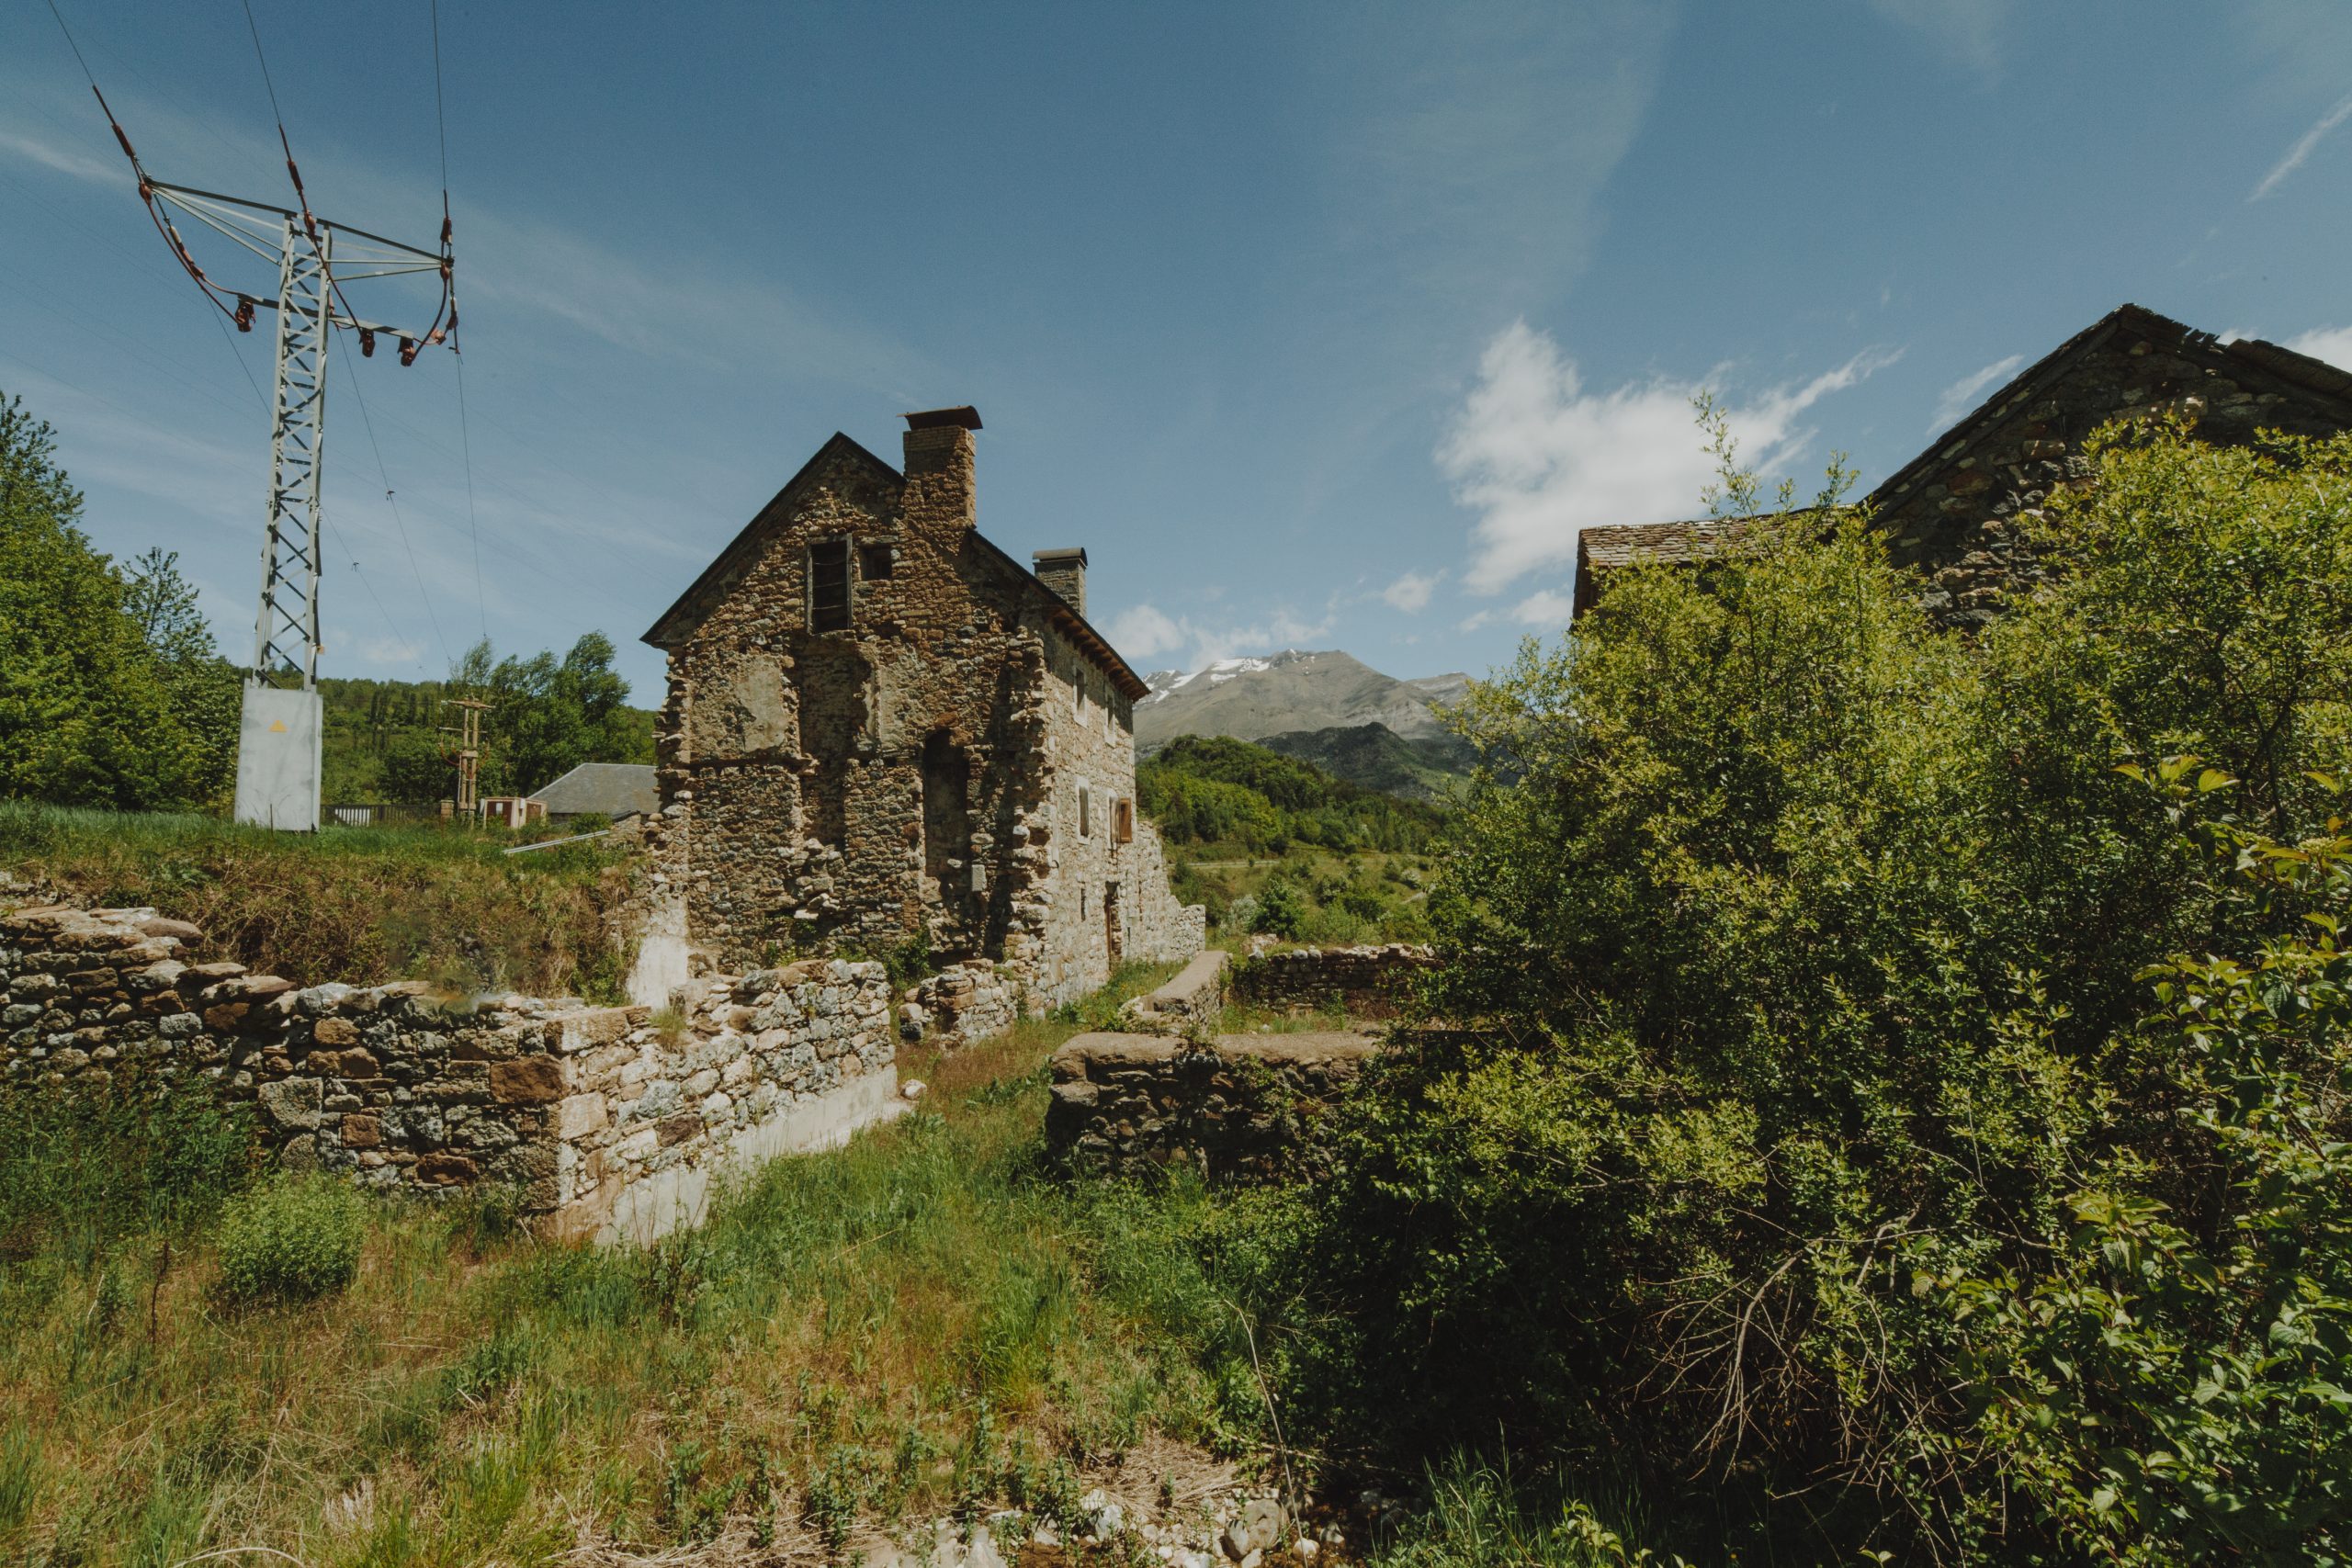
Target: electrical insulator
[[245, 313], [366, 342], [408, 351]]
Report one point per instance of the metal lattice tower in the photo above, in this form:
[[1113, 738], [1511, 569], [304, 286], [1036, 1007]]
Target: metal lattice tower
[[285, 632]]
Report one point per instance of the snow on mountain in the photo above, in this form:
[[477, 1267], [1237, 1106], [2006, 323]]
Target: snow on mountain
[[1290, 690]]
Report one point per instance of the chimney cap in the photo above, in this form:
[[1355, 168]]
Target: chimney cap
[[967, 417], [1056, 558]]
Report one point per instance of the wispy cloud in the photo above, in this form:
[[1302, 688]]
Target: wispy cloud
[[1965, 393], [2302, 149], [63, 159], [1539, 458], [1146, 631], [2331, 343], [1411, 592], [1968, 30]]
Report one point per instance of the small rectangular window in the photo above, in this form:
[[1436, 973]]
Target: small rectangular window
[[874, 561], [828, 585], [1123, 822], [1085, 812]]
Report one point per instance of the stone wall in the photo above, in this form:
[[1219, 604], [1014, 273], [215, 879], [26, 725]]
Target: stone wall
[[1189, 1000], [606, 1126], [1364, 982], [1955, 512], [1245, 1106], [963, 1003]]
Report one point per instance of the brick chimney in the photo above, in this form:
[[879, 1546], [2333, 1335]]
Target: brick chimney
[[1063, 571], [939, 468]]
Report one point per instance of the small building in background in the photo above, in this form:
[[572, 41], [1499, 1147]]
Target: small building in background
[[611, 790], [511, 810]]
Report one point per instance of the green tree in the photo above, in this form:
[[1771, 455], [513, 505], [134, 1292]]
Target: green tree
[[204, 687], [86, 716]]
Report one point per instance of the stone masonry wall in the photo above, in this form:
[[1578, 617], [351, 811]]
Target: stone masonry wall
[[1365, 982], [1244, 1106], [1957, 517], [606, 1126], [916, 771]]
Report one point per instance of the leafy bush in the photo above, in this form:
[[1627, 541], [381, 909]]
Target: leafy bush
[[1800, 955], [1281, 911], [293, 1239]]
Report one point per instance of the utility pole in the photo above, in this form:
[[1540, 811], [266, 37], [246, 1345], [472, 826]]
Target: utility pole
[[280, 730], [469, 752]]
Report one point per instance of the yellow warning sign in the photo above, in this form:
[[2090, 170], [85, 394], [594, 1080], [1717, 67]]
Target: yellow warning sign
[[277, 726]]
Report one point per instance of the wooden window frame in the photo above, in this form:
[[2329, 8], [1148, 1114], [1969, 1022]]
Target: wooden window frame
[[820, 571]]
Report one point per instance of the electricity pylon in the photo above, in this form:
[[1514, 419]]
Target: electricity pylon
[[280, 729]]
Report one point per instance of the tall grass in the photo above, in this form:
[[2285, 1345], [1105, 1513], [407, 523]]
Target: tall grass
[[353, 903], [922, 1321]]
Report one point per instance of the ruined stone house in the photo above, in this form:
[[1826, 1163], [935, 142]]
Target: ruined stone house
[[1952, 512], [880, 727]]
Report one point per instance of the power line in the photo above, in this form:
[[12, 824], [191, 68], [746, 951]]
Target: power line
[[255, 28], [440, 120], [472, 528], [72, 45], [368, 424]]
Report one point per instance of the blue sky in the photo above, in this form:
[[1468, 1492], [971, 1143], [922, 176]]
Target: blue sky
[[1318, 325]]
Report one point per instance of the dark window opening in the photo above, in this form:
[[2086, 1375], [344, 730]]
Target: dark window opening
[[828, 585], [874, 561], [1123, 822]]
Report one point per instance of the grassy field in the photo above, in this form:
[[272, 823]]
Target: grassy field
[[927, 1319], [352, 903], [1341, 896]]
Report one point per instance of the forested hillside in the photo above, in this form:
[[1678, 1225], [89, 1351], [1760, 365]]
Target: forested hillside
[[1205, 789]]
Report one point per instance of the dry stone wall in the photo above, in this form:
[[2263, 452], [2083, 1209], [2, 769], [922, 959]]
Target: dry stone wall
[[1368, 981], [607, 1126], [1244, 1106]]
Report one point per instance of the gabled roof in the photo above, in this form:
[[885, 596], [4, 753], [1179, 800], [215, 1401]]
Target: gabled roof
[[611, 789], [679, 621], [1603, 549], [2314, 377]]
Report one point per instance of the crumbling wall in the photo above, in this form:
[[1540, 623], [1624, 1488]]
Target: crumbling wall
[[916, 771], [1369, 981], [1246, 1106], [604, 1125], [963, 1002]]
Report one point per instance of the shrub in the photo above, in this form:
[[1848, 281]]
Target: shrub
[[294, 1239], [1281, 910], [1800, 957]]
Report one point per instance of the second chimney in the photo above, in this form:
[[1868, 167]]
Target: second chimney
[[1063, 571]]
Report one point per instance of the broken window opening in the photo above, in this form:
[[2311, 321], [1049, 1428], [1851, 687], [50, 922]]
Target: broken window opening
[[828, 585], [874, 561]]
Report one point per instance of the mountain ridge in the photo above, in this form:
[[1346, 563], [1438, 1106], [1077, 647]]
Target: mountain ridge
[[1293, 691]]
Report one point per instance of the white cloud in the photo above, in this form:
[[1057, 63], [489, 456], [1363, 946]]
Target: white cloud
[[1969, 30], [1145, 631], [2331, 343], [65, 162], [1411, 592], [1965, 393], [1540, 460], [1547, 608], [2302, 149]]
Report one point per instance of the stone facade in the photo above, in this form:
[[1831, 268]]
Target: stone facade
[[607, 1126], [1244, 1106], [878, 726], [1954, 512], [1370, 981]]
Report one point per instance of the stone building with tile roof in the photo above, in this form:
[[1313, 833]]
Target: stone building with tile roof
[[1950, 512], [881, 728]]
